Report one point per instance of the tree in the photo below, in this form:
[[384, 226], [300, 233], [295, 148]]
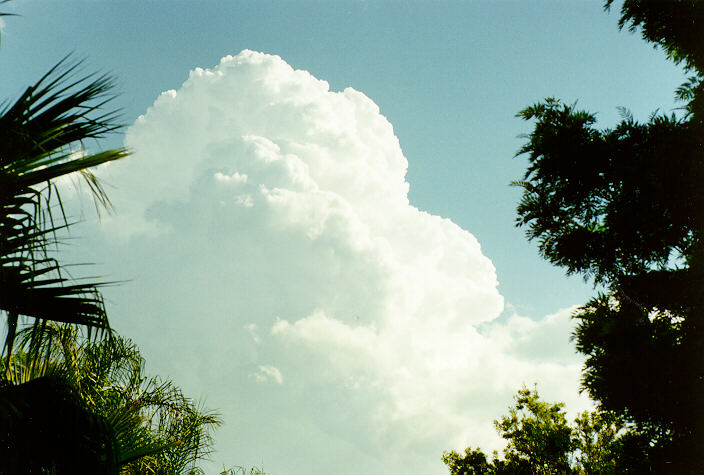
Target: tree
[[54, 417], [40, 140], [145, 425], [541, 441], [42, 134], [539, 438], [472, 462], [604, 444], [42, 137], [624, 207]]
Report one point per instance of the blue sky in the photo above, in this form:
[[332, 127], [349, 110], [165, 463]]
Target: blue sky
[[449, 77]]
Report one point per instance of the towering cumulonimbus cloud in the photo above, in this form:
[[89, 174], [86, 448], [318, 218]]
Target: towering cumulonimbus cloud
[[279, 268]]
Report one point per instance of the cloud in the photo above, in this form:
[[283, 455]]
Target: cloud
[[265, 222], [267, 373]]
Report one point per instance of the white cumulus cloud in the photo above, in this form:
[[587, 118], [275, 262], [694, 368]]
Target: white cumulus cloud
[[268, 373], [265, 222]]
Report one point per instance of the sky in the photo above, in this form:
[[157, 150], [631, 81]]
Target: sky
[[316, 229]]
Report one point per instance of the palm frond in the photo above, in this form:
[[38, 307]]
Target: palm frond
[[42, 137], [150, 425]]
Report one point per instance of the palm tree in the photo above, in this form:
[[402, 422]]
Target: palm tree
[[71, 405], [41, 139], [135, 424]]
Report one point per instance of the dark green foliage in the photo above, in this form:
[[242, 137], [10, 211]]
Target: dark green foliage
[[40, 140], [541, 441], [472, 462], [45, 428], [625, 207], [611, 203], [645, 364], [673, 25], [600, 440], [539, 438], [70, 406], [66, 395]]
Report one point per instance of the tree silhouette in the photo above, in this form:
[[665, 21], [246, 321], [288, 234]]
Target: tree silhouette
[[625, 208]]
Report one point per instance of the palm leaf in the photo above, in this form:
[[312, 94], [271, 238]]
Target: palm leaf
[[149, 426], [41, 138]]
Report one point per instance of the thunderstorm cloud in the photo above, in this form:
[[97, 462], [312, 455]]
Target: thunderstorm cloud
[[278, 270]]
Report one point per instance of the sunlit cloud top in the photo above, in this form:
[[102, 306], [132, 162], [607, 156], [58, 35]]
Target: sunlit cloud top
[[289, 274]]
